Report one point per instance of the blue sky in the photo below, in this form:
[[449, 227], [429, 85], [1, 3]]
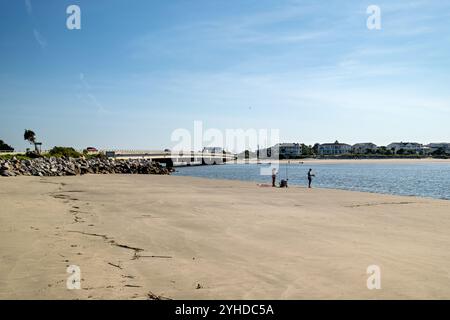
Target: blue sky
[[137, 70]]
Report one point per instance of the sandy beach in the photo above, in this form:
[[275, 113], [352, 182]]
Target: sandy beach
[[136, 237]]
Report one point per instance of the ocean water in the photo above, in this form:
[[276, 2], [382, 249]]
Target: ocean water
[[418, 179]]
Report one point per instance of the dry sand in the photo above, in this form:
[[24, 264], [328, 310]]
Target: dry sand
[[181, 237]]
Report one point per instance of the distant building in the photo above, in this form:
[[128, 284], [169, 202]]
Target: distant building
[[214, 150], [445, 146], [289, 150], [362, 148], [247, 154], [281, 151], [91, 150], [334, 148], [407, 147]]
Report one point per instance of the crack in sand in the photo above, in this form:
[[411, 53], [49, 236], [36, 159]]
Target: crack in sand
[[137, 256], [379, 204], [152, 296], [115, 265], [110, 241], [90, 234], [62, 196]]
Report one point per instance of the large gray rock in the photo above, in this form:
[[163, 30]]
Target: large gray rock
[[4, 173]]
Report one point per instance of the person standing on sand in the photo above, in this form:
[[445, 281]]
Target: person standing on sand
[[274, 176], [310, 175]]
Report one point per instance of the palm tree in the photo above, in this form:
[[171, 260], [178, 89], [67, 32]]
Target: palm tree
[[30, 136]]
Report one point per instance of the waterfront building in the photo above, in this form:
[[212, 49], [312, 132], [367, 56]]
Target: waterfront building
[[289, 150], [362, 148], [335, 148], [407, 147]]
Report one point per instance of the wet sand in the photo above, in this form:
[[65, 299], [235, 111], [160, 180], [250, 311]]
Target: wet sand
[[137, 237]]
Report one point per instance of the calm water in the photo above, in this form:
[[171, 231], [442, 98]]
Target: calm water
[[421, 179]]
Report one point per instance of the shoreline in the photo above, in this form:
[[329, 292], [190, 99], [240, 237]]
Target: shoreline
[[347, 161], [302, 183], [137, 236], [325, 188]]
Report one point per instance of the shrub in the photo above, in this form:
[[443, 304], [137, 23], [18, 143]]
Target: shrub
[[59, 152]]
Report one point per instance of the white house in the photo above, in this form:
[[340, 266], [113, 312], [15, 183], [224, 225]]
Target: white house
[[367, 147], [334, 148], [408, 147]]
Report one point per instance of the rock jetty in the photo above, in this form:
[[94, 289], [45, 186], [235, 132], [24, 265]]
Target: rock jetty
[[45, 167]]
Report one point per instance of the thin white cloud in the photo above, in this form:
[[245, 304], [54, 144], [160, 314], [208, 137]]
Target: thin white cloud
[[287, 38], [40, 39], [284, 13], [29, 7], [87, 96]]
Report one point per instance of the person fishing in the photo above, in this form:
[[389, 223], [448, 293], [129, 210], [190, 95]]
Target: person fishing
[[310, 175], [274, 176]]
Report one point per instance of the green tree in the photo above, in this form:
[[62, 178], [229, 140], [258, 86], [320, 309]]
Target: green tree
[[315, 148], [439, 152], [384, 151], [307, 150], [5, 147]]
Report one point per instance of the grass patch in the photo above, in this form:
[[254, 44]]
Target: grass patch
[[17, 156]]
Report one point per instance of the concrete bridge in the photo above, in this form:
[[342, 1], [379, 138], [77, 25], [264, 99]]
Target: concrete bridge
[[174, 158]]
